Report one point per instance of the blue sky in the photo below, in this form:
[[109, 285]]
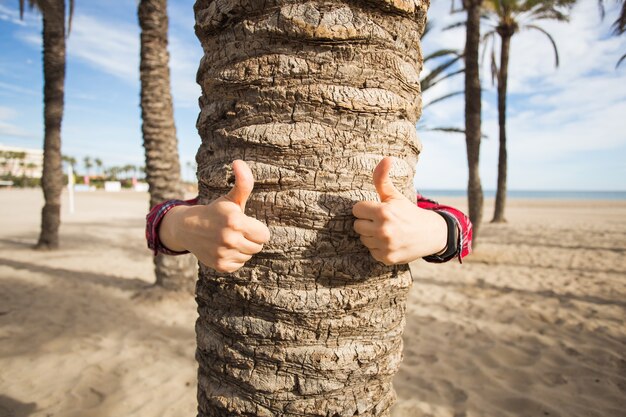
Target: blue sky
[[567, 126]]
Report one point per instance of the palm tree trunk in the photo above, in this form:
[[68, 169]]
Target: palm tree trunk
[[503, 74], [54, 86], [473, 114], [159, 135], [311, 94]]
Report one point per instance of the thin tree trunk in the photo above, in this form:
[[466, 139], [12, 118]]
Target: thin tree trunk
[[473, 114], [312, 95], [159, 135], [54, 85], [503, 74]]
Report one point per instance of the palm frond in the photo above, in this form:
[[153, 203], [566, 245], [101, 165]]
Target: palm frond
[[620, 61], [556, 51], [444, 97], [619, 26], [71, 15], [441, 53], [431, 79], [451, 130], [494, 67], [454, 25]]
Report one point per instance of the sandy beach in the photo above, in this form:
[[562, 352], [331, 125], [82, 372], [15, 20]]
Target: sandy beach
[[532, 324]]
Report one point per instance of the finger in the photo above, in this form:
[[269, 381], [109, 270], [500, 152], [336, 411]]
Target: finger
[[248, 247], [370, 242], [364, 227], [366, 210], [255, 231], [244, 183], [384, 186], [239, 258]]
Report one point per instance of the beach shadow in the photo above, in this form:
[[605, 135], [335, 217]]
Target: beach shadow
[[68, 309], [547, 267], [134, 246], [563, 297], [10, 407], [127, 284]]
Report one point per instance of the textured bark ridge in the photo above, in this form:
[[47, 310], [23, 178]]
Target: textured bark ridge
[[159, 135], [312, 95]]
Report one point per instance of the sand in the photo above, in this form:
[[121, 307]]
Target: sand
[[531, 325]]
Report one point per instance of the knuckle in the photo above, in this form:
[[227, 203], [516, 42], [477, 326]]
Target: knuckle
[[234, 221], [229, 240], [220, 266], [384, 213], [221, 253], [265, 237], [391, 259], [386, 234]]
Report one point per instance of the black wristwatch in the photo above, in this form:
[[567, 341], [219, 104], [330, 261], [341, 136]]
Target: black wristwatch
[[452, 246]]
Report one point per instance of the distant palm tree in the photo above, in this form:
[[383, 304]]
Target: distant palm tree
[[53, 14], [159, 135], [70, 160], [98, 162], [88, 165], [473, 105], [507, 18]]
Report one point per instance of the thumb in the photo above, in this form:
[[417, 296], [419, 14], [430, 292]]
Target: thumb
[[244, 182], [384, 186]]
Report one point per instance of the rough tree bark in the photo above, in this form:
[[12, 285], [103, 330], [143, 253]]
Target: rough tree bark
[[53, 13], [176, 273], [311, 94], [506, 34], [473, 114]]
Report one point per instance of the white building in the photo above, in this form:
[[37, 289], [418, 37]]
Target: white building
[[20, 162]]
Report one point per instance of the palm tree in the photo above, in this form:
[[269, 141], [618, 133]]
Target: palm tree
[[473, 106], [98, 162], [310, 94], [508, 17], [70, 160], [159, 135], [88, 165], [53, 14]]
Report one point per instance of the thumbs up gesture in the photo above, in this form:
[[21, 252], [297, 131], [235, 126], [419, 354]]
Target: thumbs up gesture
[[396, 230], [219, 234]]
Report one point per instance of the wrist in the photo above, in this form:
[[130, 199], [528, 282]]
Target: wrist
[[171, 233], [452, 239], [439, 233]]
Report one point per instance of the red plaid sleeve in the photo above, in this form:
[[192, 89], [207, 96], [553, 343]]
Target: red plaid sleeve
[[463, 223], [153, 221]]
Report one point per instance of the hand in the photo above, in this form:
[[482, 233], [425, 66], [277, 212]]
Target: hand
[[396, 230], [219, 234]]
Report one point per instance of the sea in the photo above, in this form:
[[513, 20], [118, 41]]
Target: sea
[[533, 194]]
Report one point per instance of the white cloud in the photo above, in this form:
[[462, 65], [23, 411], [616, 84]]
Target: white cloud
[[12, 14], [7, 128], [111, 47]]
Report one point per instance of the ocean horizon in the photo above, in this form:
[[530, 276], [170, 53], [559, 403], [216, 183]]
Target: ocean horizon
[[532, 194]]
